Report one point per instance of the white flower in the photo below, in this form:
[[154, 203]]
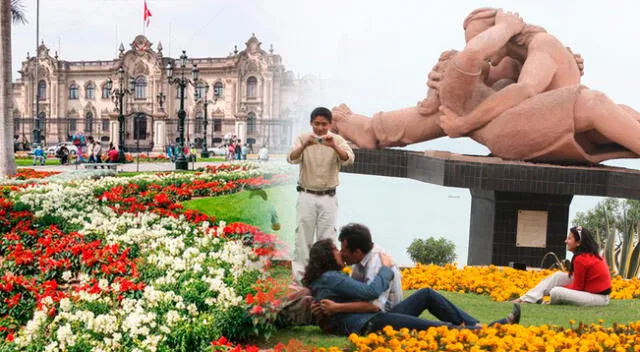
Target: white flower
[[66, 276], [65, 305]]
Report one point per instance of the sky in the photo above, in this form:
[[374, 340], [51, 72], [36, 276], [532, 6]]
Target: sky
[[375, 55]]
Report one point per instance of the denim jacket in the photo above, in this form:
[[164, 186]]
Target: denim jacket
[[340, 288]]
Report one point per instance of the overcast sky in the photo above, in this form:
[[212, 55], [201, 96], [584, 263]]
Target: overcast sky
[[377, 54]]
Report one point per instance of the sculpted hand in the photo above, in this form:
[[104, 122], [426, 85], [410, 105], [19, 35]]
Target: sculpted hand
[[579, 61], [386, 260], [511, 20], [452, 124], [329, 307], [434, 79]]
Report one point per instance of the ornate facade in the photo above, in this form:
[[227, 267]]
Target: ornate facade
[[250, 96]]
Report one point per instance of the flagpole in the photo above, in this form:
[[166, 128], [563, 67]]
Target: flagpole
[[144, 14]]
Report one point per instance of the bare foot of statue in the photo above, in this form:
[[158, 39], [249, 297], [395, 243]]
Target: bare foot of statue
[[353, 127]]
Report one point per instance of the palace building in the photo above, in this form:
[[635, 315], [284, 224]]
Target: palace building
[[250, 96]]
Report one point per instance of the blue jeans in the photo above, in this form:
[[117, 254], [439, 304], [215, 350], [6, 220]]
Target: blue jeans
[[405, 314]]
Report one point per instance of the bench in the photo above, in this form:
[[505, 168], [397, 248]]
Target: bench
[[110, 166]]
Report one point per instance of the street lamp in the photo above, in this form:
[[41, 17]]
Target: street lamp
[[182, 82], [118, 95], [205, 152]]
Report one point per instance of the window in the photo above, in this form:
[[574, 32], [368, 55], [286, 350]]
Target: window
[[88, 125], [73, 91], [105, 125], [42, 90], [90, 92], [140, 88], [106, 94], [201, 91], [16, 124], [251, 124], [72, 125], [252, 87], [199, 123], [178, 91], [218, 90], [217, 125], [139, 127]]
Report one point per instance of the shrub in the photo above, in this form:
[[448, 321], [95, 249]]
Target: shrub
[[432, 251]]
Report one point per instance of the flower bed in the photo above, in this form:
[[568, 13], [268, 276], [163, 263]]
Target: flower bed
[[500, 283], [117, 265], [25, 174], [503, 338]]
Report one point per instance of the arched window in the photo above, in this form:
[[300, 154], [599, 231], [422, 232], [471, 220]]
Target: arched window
[[218, 90], [42, 90], [251, 124], [73, 91], [106, 94], [89, 94], [252, 87], [139, 127], [141, 88], [88, 124]]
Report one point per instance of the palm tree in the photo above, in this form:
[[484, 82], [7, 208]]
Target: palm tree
[[10, 11]]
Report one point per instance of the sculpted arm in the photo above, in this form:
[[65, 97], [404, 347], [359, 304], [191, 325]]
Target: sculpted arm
[[536, 75]]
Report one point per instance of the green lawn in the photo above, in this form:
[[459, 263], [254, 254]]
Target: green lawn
[[29, 162], [486, 310], [254, 210]]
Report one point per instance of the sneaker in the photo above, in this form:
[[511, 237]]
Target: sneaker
[[514, 316]]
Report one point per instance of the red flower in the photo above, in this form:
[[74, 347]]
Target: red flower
[[13, 301], [256, 310]]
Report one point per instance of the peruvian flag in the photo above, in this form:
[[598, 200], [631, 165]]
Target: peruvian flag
[[147, 13]]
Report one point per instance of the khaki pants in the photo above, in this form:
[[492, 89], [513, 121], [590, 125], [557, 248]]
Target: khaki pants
[[553, 286], [315, 215]]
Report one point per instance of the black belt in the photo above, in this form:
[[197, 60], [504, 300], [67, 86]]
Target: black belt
[[329, 192], [605, 292]]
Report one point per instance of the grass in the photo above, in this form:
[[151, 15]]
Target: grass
[[484, 309], [29, 162], [241, 207], [56, 161]]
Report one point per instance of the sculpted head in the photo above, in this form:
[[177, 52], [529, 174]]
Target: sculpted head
[[481, 19]]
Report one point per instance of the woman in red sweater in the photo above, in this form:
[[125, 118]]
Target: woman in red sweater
[[588, 283]]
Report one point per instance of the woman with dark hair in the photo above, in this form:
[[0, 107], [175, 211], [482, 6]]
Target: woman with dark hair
[[588, 282], [329, 286]]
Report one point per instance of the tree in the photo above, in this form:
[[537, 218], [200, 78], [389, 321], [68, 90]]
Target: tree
[[612, 215], [432, 251], [615, 223], [10, 11]]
